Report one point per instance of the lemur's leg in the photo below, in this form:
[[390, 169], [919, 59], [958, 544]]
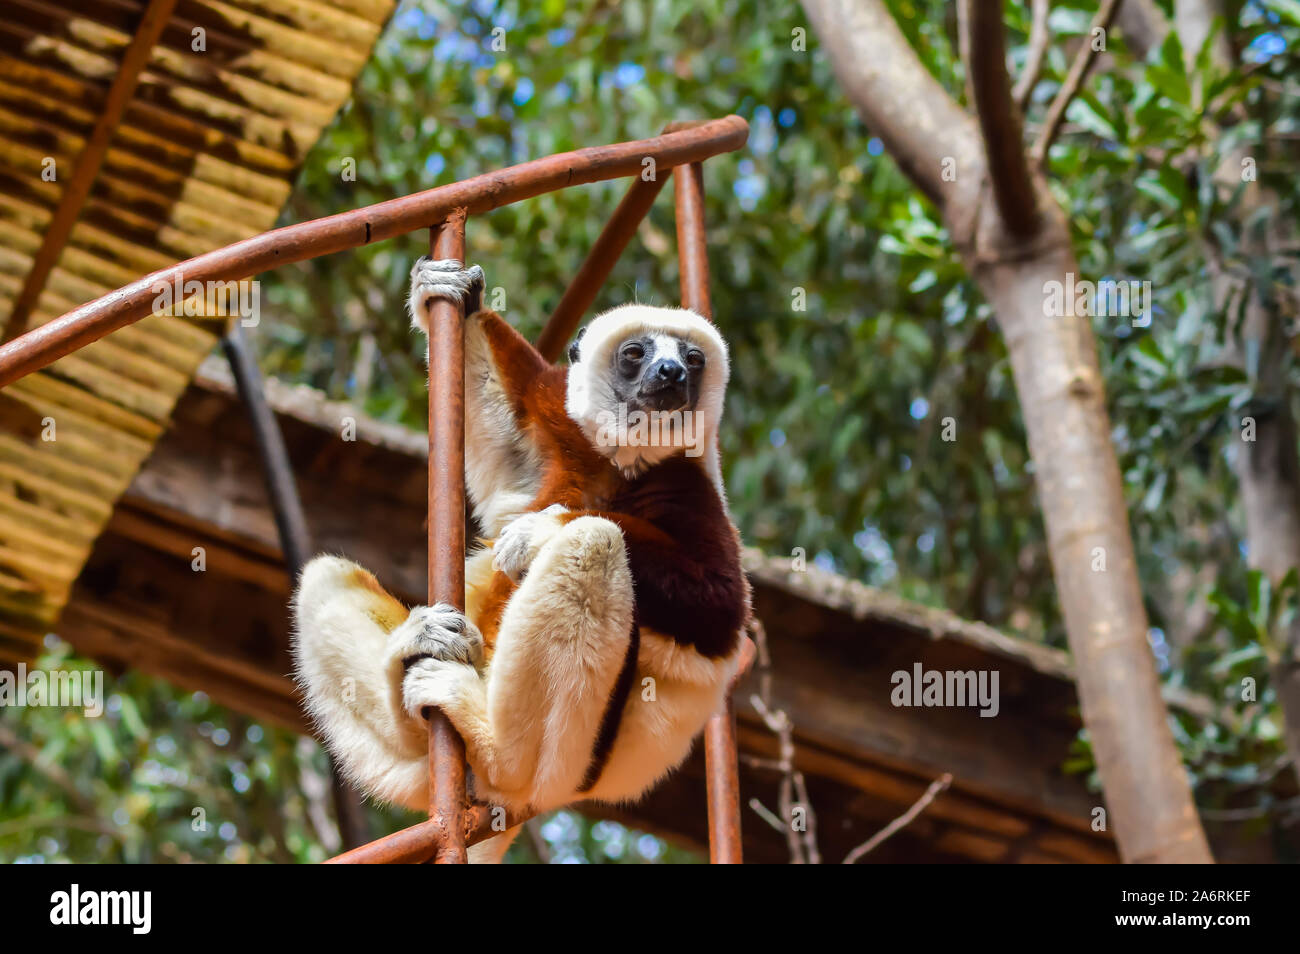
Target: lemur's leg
[[531, 729], [352, 644], [492, 851]]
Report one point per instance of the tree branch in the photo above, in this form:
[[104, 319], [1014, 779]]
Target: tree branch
[[893, 92], [938, 786], [1063, 399], [1039, 38], [792, 793], [1083, 61], [1013, 189], [32, 755]]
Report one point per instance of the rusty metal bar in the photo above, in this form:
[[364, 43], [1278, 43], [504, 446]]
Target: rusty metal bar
[[447, 528], [417, 844], [281, 488], [86, 170], [453, 826], [291, 526], [722, 771], [693, 256], [600, 261], [336, 233], [720, 732], [724, 786]]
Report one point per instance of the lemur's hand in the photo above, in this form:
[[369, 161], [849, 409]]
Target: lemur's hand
[[516, 546], [445, 278], [436, 632]]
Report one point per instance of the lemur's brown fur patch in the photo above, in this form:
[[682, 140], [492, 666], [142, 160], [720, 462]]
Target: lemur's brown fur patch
[[682, 550]]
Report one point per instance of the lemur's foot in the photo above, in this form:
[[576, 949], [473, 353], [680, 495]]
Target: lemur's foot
[[443, 278], [518, 543], [439, 632], [439, 684]]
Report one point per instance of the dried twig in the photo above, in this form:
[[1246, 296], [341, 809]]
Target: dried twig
[[1083, 61], [999, 119], [792, 792], [765, 813], [1039, 38], [939, 785], [1255, 811], [28, 823]]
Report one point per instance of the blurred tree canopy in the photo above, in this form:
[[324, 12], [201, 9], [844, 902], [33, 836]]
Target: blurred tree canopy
[[854, 332]]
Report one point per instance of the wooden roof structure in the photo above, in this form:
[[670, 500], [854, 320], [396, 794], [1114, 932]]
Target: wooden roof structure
[[137, 132], [834, 642], [133, 133]]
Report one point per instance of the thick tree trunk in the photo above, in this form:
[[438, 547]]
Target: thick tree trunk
[[1054, 361]]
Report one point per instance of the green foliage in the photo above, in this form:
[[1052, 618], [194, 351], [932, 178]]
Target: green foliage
[[834, 419], [837, 438], [160, 776], [168, 776]]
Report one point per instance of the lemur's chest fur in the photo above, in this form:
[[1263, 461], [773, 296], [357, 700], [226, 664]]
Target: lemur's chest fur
[[690, 595], [669, 511], [683, 552]]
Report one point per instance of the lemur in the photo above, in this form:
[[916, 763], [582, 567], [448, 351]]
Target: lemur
[[602, 621]]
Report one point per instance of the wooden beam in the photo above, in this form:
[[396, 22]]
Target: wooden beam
[[224, 629], [77, 189], [345, 230]]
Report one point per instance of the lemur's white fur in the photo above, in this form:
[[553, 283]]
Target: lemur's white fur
[[590, 390], [530, 718]]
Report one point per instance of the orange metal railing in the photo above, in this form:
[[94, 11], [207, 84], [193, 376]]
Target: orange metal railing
[[453, 824]]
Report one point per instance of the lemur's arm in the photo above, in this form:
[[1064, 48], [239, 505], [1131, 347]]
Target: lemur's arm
[[501, 461], [512, 362], [517, 364]]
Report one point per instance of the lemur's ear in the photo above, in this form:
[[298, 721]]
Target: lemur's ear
[[573, 348]]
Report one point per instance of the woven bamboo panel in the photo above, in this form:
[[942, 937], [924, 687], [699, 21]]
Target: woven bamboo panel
[[204, 156]]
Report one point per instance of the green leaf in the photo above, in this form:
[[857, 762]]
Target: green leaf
[[1288, 10], [1147, 355], [1153, 186], [1228, 661], [1155, 493], [1087, 115], [1169, 74]]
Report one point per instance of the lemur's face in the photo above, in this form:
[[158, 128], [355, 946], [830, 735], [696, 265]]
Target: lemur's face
[[658, 372], [647, 383]]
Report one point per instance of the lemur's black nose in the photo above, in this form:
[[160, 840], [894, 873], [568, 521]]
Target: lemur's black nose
[[667, 371]]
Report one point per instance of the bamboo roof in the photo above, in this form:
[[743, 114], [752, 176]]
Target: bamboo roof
[[198, 136]]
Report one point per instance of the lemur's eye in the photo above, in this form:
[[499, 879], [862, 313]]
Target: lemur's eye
[[695, 358], [633, 352]]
